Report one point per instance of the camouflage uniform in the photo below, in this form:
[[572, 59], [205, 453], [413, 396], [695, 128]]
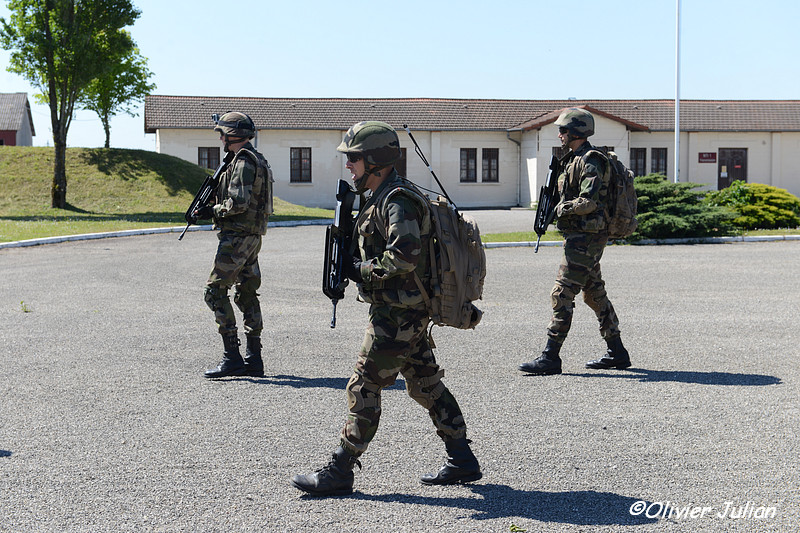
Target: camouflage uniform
[[392, 230], [583, 188], [241, 214], [396, 340]]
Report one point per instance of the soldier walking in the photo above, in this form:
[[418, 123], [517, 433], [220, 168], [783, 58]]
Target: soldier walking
[[242, 207], [393, 228], [582, 217]]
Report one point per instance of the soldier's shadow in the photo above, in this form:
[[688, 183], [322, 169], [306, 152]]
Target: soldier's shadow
[[683, 376], [584, 508], [300, 382]]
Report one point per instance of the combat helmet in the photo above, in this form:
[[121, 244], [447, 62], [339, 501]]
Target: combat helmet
[[235, 124], [579, 122], [376, 141]]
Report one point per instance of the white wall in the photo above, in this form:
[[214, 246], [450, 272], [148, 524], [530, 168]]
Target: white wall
[[770, 155], [442, 149], [503, 193], [24, 134], [529, 173], [771, 159], [761, 156], [786, 170]]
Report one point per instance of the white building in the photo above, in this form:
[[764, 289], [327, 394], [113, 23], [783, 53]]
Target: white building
[[490, 153]]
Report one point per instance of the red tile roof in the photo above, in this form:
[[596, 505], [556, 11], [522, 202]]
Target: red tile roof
[[444, 114]]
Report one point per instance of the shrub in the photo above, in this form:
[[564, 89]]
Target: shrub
[[758, 206], [676, 210]]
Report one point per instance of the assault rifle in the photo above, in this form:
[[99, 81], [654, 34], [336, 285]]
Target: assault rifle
[[206, 192], [338, 241], [548, 199]]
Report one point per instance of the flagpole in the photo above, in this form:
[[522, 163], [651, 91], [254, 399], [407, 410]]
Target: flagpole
[[677, 90]]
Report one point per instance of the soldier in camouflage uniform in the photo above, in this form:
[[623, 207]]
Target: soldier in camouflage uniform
[[242, 207], [393, 228], [582, 218]]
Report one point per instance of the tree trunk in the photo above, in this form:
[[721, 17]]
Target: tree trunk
[[107, 129], [59, 188]]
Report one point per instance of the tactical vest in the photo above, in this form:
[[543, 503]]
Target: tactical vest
[[371, 231], [255, 218], [569, 188]]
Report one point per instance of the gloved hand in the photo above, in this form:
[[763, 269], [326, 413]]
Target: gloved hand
[[204, 213], [565, 208], [352, 269]]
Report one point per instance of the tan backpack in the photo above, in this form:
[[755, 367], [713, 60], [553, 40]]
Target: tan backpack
[[623, 203], [457, 261]]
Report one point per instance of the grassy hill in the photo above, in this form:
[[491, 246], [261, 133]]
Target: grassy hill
[[107, 190]]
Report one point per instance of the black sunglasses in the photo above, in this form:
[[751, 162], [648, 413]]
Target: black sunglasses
[[563, 130], [354, 158]]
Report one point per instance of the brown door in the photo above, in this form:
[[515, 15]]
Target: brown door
[[732, 166]]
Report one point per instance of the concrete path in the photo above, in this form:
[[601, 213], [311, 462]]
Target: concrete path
[[106, 423]]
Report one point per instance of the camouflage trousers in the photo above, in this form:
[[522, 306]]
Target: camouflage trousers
[[236, 263], [396, 342], [580, 271]]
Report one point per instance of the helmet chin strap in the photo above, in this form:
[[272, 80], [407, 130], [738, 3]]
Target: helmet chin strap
[[228, 142], [361, 183]]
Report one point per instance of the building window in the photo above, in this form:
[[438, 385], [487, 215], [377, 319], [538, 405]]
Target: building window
[[401, 164], [469, 165], [300, 165], [208, 157], [491, 158], [638, 156], [658, 161]]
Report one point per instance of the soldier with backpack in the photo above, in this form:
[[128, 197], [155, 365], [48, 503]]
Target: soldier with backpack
[[389, 263], [240, 211], [583, 216]]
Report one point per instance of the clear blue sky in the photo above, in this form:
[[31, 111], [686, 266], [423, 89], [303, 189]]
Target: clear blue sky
[[531, 49]]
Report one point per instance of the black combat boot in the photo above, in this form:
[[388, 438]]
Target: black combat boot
[[616, 356], [461, 465], [253, 365], [546, 364], [231, 364], [334, 479]]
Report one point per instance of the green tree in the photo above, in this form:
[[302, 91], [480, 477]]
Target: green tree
[[60, 46], [119, 89]]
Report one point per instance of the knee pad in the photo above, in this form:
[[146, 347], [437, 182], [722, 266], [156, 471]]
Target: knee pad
[[562, 296], [425, 391], [361, 395], [213, 296], [244, 298]]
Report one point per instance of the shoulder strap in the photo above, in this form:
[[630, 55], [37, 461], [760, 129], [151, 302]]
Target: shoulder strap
[[405, 187]]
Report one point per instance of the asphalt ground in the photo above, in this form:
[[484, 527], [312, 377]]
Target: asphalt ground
[[106, 423]]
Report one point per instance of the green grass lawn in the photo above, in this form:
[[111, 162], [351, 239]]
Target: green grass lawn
[[107, 190]]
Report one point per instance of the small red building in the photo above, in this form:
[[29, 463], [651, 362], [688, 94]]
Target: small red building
[[16, 121]]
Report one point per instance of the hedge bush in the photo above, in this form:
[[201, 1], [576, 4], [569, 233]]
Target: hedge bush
[[669, 210], [758, 206]]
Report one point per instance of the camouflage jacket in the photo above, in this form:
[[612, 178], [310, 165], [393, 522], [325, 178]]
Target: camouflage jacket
[[583, 187], [244, 195], [393, 230]]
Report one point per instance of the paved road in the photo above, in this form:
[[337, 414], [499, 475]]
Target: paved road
[[107, 425]]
